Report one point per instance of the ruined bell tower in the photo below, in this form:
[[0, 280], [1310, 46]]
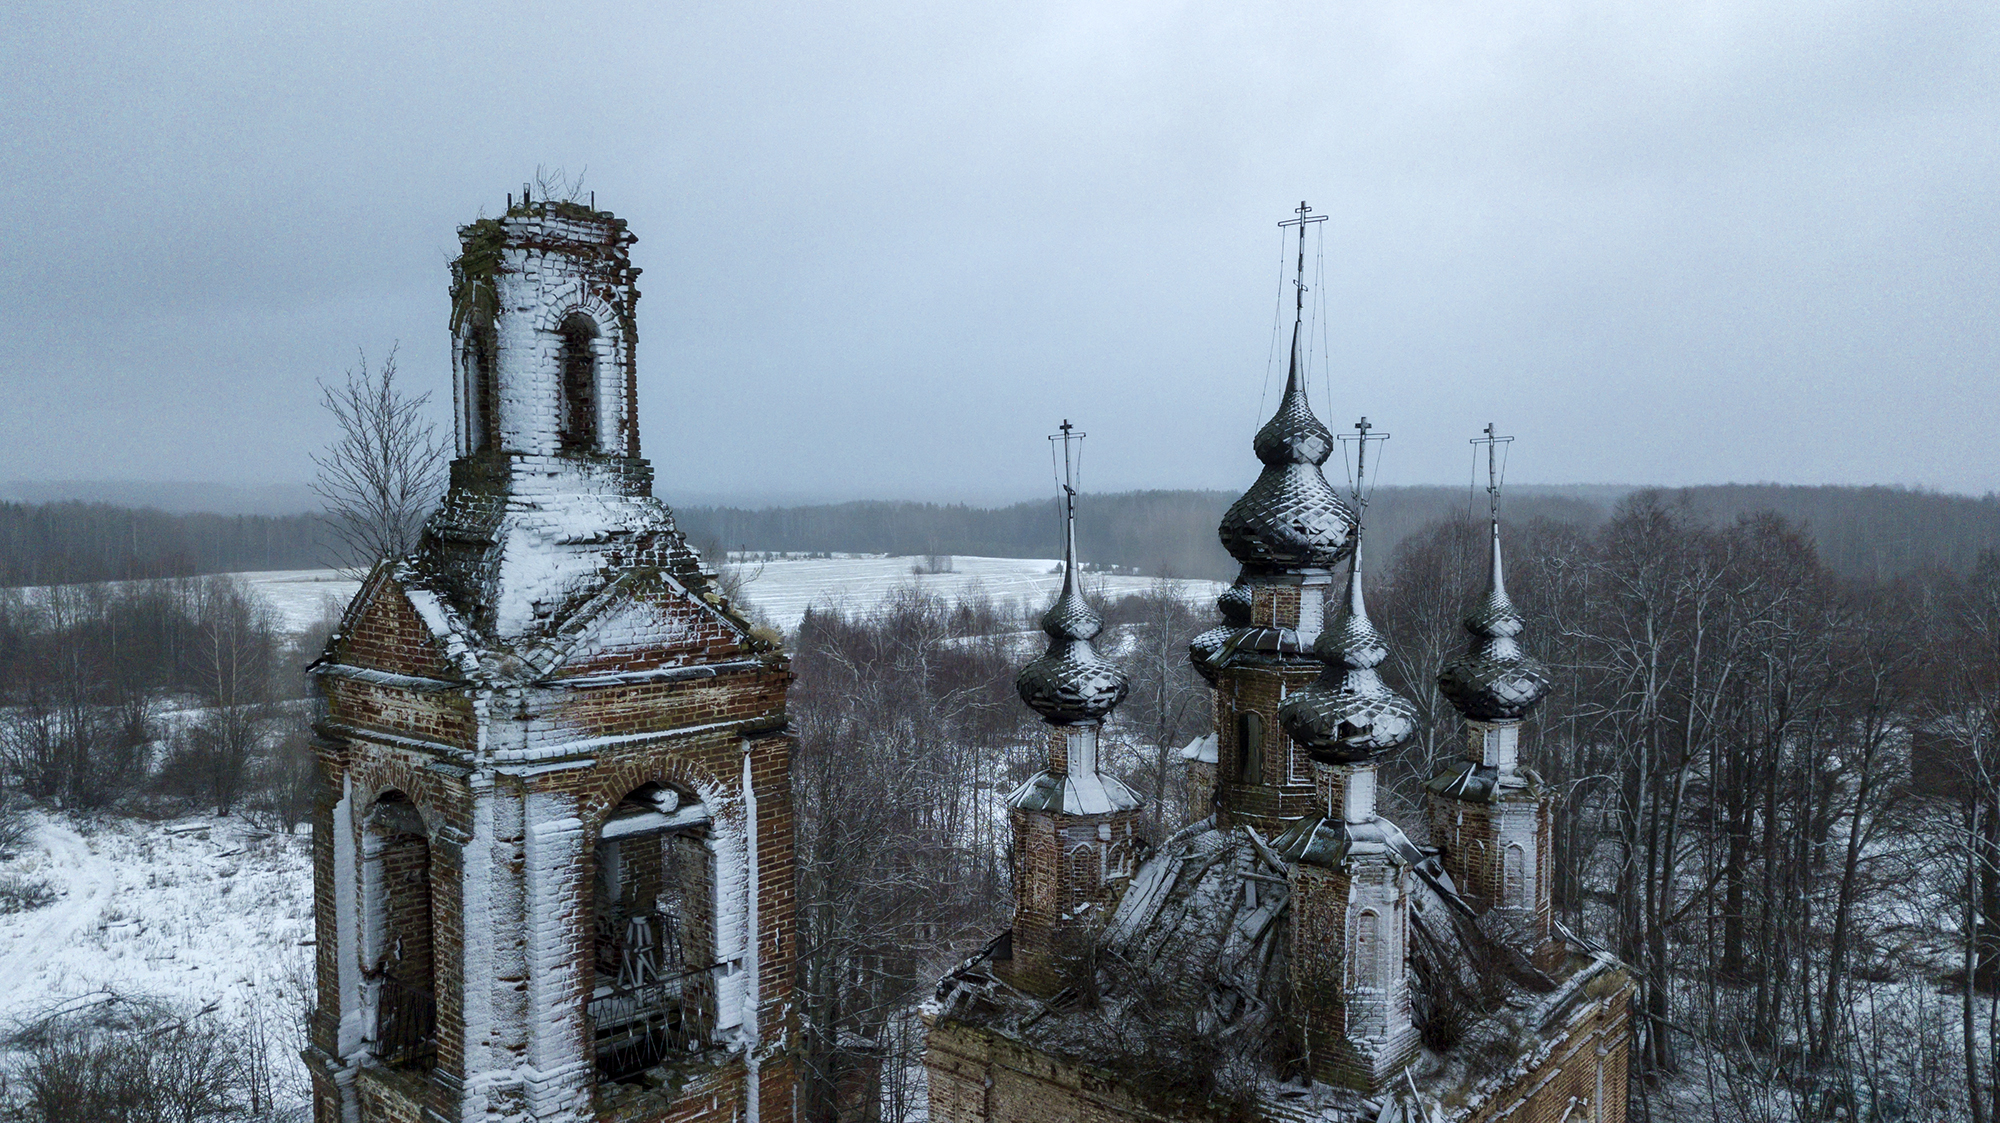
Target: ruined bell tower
[[552, 852]]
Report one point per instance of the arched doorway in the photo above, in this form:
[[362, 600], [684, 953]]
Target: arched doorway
[[397, 965]]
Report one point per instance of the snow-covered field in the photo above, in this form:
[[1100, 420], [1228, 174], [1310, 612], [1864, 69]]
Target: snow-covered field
[[300, 598], [194, 912], [783, 590]]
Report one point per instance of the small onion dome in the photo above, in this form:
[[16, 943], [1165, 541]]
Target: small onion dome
[[1071, 682], [1206, 650], [1234, 604], [1349, 715], [1494, 680], [1290, 517]]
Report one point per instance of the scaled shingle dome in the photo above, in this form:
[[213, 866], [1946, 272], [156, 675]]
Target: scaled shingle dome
[[1071, 682], [1494, 680], [1290, 518], [1349, 715]]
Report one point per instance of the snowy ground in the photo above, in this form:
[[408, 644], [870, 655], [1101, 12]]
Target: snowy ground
[[300, 598], [194, 912]]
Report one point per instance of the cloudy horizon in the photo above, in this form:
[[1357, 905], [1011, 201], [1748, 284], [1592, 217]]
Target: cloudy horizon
[[887, 249]]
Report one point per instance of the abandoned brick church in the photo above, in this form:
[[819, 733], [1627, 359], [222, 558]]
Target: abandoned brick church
[[553, 850], [1291, 954]]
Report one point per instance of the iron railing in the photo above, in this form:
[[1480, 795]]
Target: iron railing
[[637, 1027], [405, 1024]]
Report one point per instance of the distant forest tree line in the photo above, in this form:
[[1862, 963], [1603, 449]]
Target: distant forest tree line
[[1861, 533], [72, 542]]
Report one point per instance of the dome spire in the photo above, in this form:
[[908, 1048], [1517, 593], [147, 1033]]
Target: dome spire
[[1290, 518], [1071, 683], [1349, 715], [1494, 680]]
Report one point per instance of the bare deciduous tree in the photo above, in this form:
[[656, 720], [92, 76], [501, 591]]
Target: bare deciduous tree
[[385, 470]]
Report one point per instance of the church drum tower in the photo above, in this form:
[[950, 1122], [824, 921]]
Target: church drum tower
[[552, 849]]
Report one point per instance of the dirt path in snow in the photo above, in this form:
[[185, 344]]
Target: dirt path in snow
[[90, 881]]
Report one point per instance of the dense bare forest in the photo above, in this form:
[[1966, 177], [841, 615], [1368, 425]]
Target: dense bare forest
[[1868, 533], [153, 695]]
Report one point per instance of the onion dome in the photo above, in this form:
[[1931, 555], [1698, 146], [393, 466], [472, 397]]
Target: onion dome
[[1071, 683], [1234, 605], [1207, 649], [1290, 518], [1494, 680], [1349, 715]]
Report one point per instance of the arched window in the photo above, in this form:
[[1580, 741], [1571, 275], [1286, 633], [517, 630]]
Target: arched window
[[1515, 874], [482, 399], [1249, 747], [1086, 869], [1121, 859], [652, 913], [578, 418], [397, 962]]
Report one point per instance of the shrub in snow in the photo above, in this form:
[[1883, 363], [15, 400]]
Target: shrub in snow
[[19, 893]]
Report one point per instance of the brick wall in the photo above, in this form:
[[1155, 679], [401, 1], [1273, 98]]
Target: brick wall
[[1063, 863], [1476, 837], [1580, 1076], [1283, 788], [387, 633], [710, 762], [979, 1077], [1349, 941]]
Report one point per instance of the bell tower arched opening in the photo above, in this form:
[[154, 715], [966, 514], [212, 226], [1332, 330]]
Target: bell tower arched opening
[[1249, 747], [482, 394], [652, 913], [578, 432]]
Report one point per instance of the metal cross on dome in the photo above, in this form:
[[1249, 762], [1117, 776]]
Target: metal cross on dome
[[1072, 462], [1493, 445], [1363, 433], [1306, 218]]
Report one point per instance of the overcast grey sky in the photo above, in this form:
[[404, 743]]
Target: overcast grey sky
[[888, 246]]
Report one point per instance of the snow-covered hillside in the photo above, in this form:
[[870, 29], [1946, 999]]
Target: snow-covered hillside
[[194, 912], [783, 590]]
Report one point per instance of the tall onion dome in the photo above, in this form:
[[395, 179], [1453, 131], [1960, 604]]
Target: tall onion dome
[[1290, 518], [1349, 715], [1494, 680], [1071, 683]]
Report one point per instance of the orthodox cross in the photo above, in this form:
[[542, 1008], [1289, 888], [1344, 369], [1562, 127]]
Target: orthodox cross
[[1363, 433], [1072, 466], [1493, 443], [1306, 218]]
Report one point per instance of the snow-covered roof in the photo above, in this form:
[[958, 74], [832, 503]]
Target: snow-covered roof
[[1086, 793]]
